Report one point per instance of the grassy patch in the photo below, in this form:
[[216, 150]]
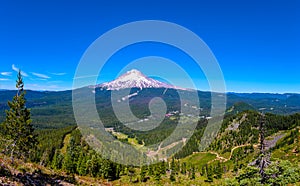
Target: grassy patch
[[120, 135], [226, 155], [66, 143], [199, 159]]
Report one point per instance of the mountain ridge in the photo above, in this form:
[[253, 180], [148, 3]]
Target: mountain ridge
[[134, 79]]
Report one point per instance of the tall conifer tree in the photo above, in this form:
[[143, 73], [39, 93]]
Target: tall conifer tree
[[17, 128]]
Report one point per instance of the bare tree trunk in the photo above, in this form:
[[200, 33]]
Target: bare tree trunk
[[264, 158]]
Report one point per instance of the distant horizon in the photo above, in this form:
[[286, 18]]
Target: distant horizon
[[227, 92], [159, 79]]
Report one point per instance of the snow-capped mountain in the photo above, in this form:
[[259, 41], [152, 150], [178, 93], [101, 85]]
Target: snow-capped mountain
[[134, 79]]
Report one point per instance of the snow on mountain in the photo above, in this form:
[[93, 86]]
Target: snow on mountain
[[134, 79]]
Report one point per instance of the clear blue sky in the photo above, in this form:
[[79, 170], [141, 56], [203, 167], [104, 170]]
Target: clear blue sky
[[256, 42]]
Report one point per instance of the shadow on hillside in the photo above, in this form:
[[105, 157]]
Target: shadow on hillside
[[40, 179], [36, 179]]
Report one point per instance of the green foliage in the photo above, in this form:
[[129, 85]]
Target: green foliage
[[81, 164], [57, 160], [199, 160], [292, 137], [194, 141], [70, 158], [193, 174], [172, 176], [209, 174], [282, 172], [242, 153], [279, 172], [131, 172], [49, 141], [231, 182], [143, 173], [247, 130], [218, 171], [239, 107], [250, 175], [78, 158], [17, 128], [183, 168]]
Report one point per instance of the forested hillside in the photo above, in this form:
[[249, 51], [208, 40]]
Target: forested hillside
[[65, 152], [46, 104], [43, 145]]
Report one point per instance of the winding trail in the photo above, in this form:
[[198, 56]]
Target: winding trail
[[221, 158], [269, 144]]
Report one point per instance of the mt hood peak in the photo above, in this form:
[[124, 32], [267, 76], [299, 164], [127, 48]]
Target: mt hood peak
[[134, 79]]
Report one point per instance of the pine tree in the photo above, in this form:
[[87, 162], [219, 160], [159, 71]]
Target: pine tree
[[193, 175], [17, 128], [106, 169], [172, 170], [143, 173], [81, 164], [119, 170], [70, 158], [203, 172], [172, 176], [131, 172], [173, 166], [183, 168], [150, 170], [209, 176], [218, 171], [156, 172], [163, 167], [57, 160]]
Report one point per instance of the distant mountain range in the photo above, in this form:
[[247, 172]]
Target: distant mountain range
[[45, 105]]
